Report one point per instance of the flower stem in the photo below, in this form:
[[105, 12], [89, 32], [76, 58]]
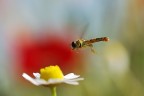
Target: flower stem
[[53, 91]]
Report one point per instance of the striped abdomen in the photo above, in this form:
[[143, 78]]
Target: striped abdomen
[[105, 39]]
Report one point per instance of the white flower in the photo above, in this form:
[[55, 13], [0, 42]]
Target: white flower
[[52, 76]]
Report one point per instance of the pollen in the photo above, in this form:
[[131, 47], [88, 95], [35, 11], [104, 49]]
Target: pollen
[[51, 72]]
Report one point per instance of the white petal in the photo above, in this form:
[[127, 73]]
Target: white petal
[[27, 77], [41, 81], [55, 80], [37, 75], [76, 79], [71, 76], [72, 83], [51, 81]]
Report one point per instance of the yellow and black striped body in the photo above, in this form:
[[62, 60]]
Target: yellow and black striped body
[[84, 43]]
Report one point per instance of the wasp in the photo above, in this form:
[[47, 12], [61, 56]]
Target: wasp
[[80, 43]]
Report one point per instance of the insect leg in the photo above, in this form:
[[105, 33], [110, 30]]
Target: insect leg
[[92, 49]]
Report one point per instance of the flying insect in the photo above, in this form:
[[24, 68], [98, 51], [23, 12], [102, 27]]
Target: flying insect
[[81, 43]]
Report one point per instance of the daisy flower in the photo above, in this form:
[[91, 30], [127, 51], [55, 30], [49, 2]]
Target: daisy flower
[[52, 76]]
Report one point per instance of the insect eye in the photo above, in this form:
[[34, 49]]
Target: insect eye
[[73, 44]]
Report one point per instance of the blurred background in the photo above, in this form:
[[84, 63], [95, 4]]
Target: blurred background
[[38, 33]]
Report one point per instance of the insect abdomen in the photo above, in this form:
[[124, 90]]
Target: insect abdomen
[[105, 39], [102, 39]]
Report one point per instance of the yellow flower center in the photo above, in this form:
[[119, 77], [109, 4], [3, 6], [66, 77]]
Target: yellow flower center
[[51, 72]]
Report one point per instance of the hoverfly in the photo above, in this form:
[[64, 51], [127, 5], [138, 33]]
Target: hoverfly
[[81, 43]]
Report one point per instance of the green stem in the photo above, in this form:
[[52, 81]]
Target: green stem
[[53, 91]]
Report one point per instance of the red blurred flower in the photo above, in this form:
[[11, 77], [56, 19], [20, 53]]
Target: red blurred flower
[[38, 52]]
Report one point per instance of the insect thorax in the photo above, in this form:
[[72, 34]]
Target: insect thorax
[[80, 43]]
